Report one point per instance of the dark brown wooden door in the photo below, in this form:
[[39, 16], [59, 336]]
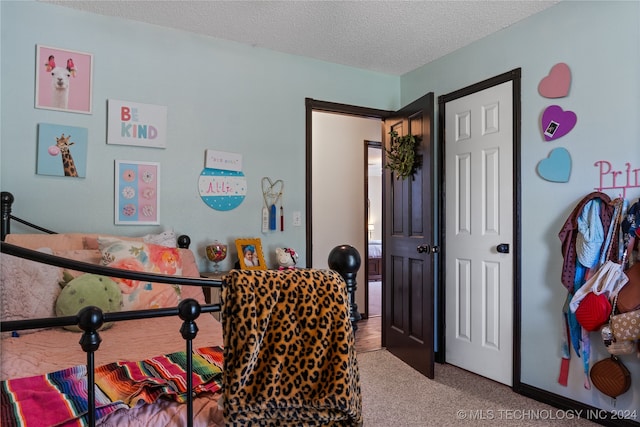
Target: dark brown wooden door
[[408, 319]]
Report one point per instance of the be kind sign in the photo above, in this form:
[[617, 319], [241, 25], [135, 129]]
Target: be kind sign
[[132, 123]]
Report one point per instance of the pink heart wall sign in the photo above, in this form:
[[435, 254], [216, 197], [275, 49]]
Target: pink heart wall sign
[[556, 122], [557, 83]]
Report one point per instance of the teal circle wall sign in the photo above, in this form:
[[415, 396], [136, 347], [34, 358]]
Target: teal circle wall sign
[[222, 190]]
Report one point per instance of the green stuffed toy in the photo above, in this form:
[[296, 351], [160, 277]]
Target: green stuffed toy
[[85, 290]]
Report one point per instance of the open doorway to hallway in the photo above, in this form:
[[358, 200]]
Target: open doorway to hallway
[[332, 166], [336, 205], [369, 334], [374, 228], [338, 201]]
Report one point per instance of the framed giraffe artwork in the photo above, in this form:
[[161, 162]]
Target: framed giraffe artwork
[[62, 150], [64, 80], [137, 193]]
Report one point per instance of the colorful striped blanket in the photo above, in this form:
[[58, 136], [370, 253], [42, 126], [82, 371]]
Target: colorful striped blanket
[[60, 398]]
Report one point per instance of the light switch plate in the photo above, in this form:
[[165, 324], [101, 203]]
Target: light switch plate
[[297, 218]]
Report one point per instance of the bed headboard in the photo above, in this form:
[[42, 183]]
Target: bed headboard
[[6, 200], [345, 259], [6, 203]]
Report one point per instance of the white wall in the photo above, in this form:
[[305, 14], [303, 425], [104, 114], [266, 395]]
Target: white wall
[[338, 199], [375, 196], [600, 41], [375, 191], [220, 95]]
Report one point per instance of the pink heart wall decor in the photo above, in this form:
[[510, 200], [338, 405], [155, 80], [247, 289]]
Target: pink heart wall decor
[[557, 83], [556, 122]]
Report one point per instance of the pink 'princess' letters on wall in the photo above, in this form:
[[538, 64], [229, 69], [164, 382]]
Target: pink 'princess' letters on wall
[[611, 179]]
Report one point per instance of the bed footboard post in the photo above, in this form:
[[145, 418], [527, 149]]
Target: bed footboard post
[[189, 311], [345, 259], [5, 204], [90, 319]]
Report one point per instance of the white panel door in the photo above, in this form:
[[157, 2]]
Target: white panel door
[[479, 218]]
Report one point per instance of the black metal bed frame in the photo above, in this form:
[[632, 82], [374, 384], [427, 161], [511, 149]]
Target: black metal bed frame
[[343, 259], [91, 318]]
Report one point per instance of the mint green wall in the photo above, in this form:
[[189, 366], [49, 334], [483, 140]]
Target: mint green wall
[[220, 95], [600, 41], [232, 97]]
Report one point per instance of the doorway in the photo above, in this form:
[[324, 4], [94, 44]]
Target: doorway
[[408, 228], [336, 182], [373, 256]]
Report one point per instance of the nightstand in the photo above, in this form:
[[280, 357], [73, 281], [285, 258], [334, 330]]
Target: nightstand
[[212, 295]]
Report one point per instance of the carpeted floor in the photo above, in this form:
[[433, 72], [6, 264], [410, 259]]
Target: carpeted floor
[[394, 394]]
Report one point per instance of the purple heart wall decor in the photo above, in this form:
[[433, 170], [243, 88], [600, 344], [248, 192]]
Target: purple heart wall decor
[[557, 82], [556, 122], [556, 167]]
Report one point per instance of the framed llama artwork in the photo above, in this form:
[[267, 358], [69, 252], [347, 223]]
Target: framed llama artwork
[[64, 80], [137, 193], [62, 150]]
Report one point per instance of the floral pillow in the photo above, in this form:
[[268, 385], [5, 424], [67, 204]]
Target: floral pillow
[[147, 257]]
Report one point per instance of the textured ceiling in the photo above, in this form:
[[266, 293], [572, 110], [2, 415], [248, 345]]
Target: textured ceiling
[[392, 37]]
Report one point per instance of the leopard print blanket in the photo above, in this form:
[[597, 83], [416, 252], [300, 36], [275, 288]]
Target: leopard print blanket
[[289, 350]]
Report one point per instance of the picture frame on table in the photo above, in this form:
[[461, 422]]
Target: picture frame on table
[[250, 254]]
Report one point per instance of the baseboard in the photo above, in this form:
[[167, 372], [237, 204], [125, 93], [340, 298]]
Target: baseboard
[[591, 413]]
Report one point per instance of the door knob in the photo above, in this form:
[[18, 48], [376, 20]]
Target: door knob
[[503, 248], [427, 249]]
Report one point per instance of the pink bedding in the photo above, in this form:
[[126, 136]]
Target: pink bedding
[[55, 349], [44, 351]]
